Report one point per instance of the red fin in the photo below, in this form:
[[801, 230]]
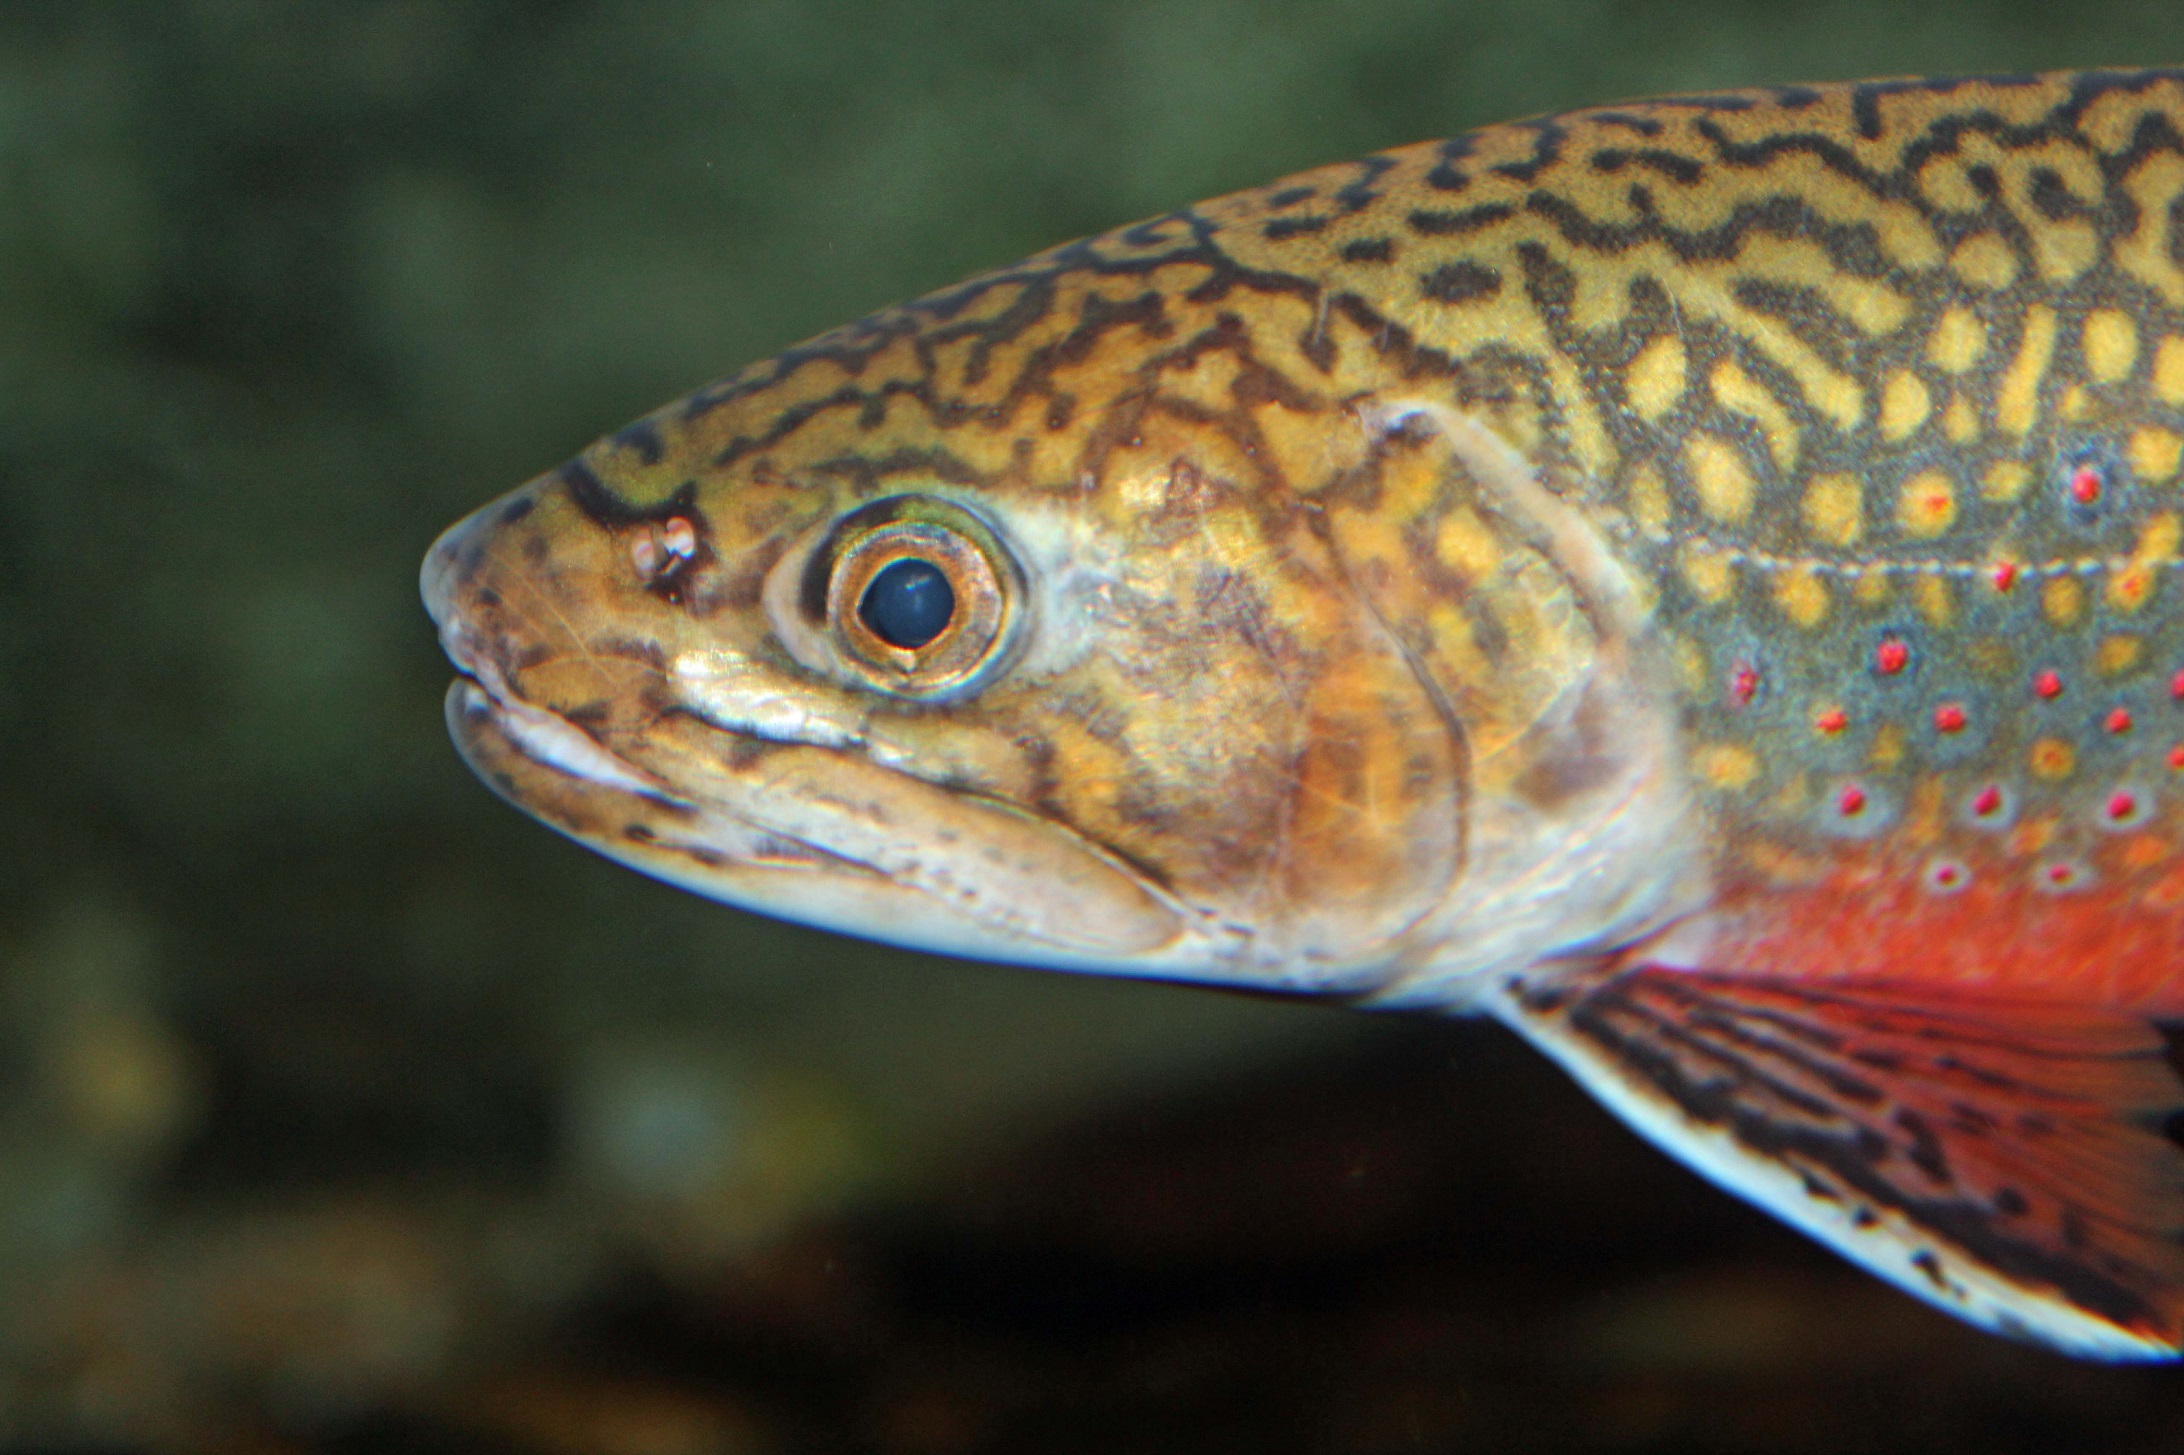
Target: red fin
[[2004, 1159]]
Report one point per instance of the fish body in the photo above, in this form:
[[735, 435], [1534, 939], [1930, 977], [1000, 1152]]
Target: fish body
[[1697, 580]]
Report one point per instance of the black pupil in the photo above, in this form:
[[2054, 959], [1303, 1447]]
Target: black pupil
[[908, 603]]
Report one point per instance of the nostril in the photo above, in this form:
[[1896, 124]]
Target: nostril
[[660, 550]]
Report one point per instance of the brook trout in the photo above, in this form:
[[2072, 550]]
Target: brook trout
[[1697, 581]]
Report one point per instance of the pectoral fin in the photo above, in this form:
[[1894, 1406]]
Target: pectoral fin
[[2003, 1159]]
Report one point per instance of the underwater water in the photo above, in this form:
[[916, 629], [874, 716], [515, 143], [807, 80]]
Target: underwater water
[[342, 1109]]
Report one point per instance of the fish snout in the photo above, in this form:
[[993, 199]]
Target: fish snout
[[448, 567], [465, 577]]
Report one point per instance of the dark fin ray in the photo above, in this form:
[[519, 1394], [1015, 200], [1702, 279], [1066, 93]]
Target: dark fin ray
[[2005, 1160]]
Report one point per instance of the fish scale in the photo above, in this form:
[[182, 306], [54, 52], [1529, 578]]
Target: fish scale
[[1694, 579]]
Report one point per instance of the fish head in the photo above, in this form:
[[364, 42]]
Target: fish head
[[1145, 725], [1114, 658]]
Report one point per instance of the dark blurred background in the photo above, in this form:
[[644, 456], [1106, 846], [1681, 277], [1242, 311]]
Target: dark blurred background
[[343, 1110]]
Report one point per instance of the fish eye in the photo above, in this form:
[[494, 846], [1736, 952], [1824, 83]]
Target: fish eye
[[908, 603], [920, 595]]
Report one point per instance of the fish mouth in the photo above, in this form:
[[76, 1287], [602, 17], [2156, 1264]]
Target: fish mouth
[[557, 770], [546, 738], [810, 831]]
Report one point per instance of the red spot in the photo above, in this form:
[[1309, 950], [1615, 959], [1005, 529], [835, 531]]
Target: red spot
[[1949, 718], [1743, 684], [1831, 722], [2176, 687], [2059, 874], [1946, 876], [2085, 485], [2176, 757], [2047, 684], [2005, 575], [2118, 721], [1988, 803], [2121, 806], [1851, 802], [1891, 657]]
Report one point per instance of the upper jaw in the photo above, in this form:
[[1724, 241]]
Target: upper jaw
[[552, 740]]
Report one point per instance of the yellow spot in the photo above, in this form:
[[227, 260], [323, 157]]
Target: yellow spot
[[2111, 344], [1876, 309], [1872, 587], [1802, 595], [1835, 395], [2132, 585], [1959, 338], [1985, 261], [2155, 453], [2062, 599], [1904, 405], [2075, 402], [2144, 851], [2118, 655], [1905, 236], [1927, 505], [1936, 603], [1887, 746], [1960, 421], [2019, 397], [1719, 475], [2006, 480], [2149, 253], [1649, 501], [1725, 765], [2034, 835], [2066, 249], [1834, 509], [1739, 391], [2169, 370], [2158, 542], [1707, 572], [1922, 821], [2053, 758], [1655, 379], [1943, 181], [1464, 544]]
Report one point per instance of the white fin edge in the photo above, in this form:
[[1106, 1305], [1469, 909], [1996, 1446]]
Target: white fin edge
[[1885, 1247]]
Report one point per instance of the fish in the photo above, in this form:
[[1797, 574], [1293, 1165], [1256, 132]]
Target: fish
[[1695, 581]]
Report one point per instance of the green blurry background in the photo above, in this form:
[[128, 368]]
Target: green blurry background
[[342, 1109]]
